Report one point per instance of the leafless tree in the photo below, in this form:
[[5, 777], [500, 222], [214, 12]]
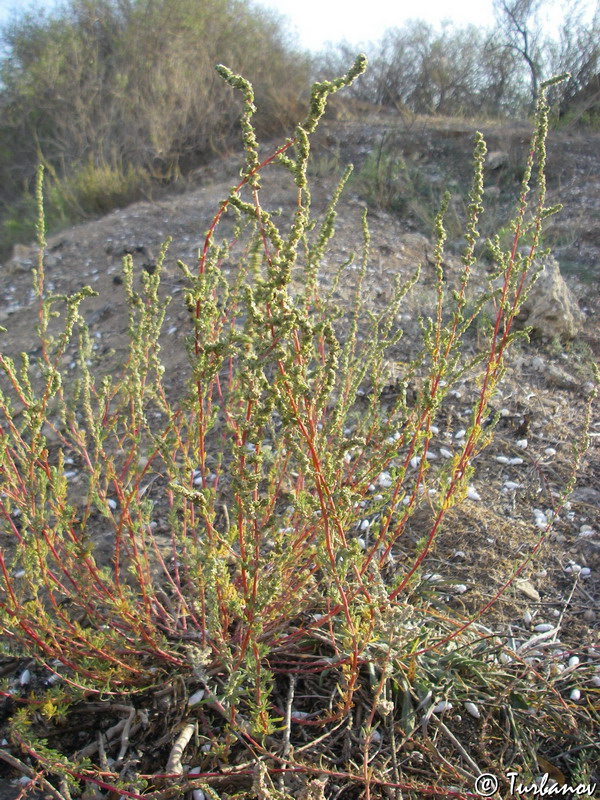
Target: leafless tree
[[518, 30]]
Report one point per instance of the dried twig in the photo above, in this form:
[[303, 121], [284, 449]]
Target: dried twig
[[125, 735], [174, 766], [288, 726], [31, 773], [449, 735]]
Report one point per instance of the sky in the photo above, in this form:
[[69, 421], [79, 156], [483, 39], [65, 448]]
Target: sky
[[361, 21], [317, 22]]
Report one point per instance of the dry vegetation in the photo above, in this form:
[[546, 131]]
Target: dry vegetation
[[257, 543]]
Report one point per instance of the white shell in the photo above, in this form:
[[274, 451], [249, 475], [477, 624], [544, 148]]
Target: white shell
[[575, 695], [473, 710], [443, 705], [385, 480], [195, 698], [543, 627]]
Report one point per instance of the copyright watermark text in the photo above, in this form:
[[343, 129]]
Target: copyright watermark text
[[487, 785]]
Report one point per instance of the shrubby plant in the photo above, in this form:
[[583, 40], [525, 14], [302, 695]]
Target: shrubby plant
[[119, 98], [283, 482]]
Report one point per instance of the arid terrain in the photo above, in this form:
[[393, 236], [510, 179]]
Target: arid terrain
[[542, 399]]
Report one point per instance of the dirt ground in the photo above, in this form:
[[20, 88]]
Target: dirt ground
[[542, 399]]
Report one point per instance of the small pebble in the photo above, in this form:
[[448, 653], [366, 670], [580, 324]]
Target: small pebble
[[443, 705], [445, 453], [522, 443], [575, 695], [543, 627], [550, 451], [574, 661]]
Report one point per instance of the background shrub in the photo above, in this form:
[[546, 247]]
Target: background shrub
[[113, 95]]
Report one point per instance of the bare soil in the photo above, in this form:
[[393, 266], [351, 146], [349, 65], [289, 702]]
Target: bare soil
[[542, 400]]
